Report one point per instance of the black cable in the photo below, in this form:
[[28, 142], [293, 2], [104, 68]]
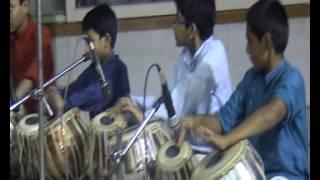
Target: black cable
[[144, 109], [145, 87]]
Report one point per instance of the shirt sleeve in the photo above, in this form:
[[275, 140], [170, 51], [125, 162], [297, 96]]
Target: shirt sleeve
[[48, 65], [86, 97], [188, 93], [75, 86], [233, 111], [290, 91], [124, 82]]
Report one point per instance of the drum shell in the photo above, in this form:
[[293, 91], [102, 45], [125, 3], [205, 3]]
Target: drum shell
[[177, 167], [14, 161]]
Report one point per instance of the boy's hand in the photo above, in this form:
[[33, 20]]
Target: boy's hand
[[55, 100], [125, 104], [187, 124], [215, 139]]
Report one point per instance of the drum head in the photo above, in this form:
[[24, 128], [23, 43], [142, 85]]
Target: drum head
[[219, 163], [172, 158], [104, 123], [29, 124]]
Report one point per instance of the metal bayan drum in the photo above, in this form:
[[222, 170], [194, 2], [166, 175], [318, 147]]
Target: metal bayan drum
[[240, 161], [101, 130], [174, 163], [135, 159], [64, 146]]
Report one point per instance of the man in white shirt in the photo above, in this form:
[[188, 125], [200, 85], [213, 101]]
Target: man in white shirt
[[200, 83]]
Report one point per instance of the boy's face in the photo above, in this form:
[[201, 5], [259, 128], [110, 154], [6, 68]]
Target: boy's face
[[18, 15], [257, 51], [181, 32], [102, 44]]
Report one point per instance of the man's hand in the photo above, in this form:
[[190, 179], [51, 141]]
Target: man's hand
[[24, 87], [125, 104], [55, 100]]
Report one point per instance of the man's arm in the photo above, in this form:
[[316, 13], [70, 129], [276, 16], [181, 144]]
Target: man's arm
[[24, 87], [31, 74]]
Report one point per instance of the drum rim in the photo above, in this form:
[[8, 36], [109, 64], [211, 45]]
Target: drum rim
[[173, 164], [119, 123], [29, 129]]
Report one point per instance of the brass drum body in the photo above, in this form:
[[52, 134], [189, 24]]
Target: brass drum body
[[138, 158]]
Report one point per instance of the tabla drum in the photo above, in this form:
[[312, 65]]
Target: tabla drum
[[66, 139], [28, 151], [240, 161], [101, 130], [64, 146], [143, 153], [174, 163]]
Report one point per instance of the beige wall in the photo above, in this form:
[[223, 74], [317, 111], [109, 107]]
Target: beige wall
[[139, 49]]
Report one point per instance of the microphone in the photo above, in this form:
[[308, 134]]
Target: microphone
[[173, 121], [105, 87]]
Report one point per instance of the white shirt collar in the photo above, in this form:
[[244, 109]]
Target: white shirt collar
[[190, 59]]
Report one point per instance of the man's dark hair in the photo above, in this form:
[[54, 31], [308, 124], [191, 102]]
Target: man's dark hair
[[200, 12], [103, 20], [269, 16]]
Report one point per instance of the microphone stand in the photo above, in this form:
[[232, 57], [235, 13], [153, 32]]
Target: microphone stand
[[118, 155], [35, 92], [40, 92]]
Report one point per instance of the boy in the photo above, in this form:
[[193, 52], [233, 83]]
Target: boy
[[100, 24], [201, 81], [268, 106]]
